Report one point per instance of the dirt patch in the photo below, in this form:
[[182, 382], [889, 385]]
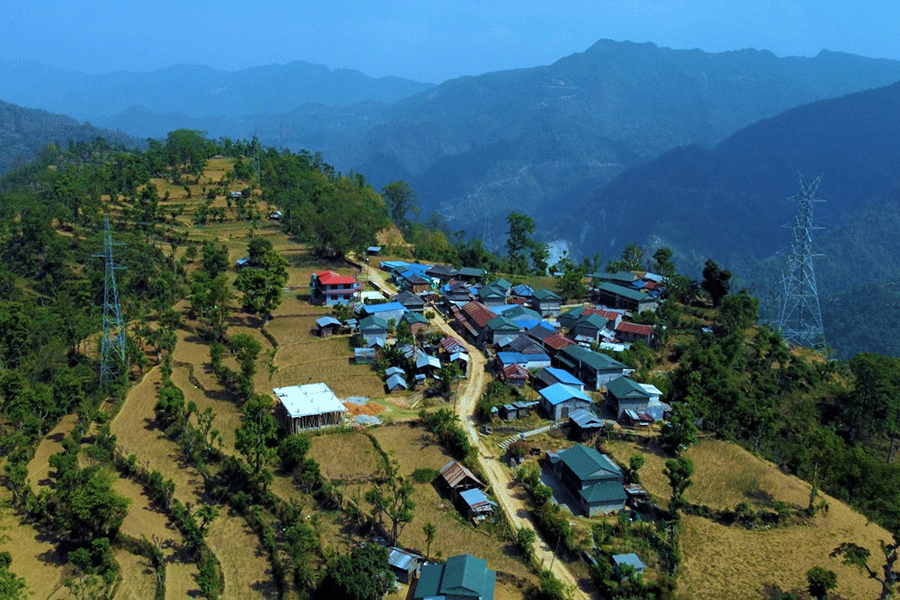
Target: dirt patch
[[244, 563], [143, 520], [34, 555], [39, 465], [181, 580], [346, 457], [138, 577], [733, 562], [136, 431]]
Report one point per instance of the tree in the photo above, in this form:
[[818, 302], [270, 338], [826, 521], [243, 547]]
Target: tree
[[400, 200], [635, 462], [246, 350], [292, 450], [662, 262], [821, 581], [430, 530], [737, 312], [678, 471], [88, 507], [361, 575], [518, 241], [716, 281], [257, 433], [857, 556], [679, 431], [261, 285]]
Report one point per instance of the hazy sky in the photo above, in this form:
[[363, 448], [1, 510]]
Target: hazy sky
[[423, 39]]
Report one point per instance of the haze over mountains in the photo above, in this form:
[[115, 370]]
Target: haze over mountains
[[552, 140]]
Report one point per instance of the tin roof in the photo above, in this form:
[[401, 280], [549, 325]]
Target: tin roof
[[309, 399], [560, 392], [454, 473]]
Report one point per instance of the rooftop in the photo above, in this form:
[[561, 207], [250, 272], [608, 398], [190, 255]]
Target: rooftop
[[309, 399], [560, 392]]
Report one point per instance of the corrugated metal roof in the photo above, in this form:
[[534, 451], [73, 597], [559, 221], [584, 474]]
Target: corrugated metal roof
[[454, 473], [403, 560], [560, 392], [309, 399]]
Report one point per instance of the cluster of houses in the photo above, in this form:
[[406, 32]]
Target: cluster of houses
[[527, 335]]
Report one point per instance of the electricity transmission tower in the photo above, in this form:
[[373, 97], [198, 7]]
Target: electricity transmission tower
[[112, 342], [800, 321]]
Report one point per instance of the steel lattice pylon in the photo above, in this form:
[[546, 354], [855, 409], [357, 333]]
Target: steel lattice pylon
[[112, 342], [800, 321]]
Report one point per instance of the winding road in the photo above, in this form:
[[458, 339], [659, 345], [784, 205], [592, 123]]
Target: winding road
[[510, 494]]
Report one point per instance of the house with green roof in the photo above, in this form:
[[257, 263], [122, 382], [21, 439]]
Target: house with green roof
[[592, 368], [590, 478], [462, 577], [546, 302], [470, 274], [624, 395], [619, 277], [617, 296]]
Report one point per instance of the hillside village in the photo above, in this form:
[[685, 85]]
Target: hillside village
[[356, 417]]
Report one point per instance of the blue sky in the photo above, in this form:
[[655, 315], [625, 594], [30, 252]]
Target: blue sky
[[422, 39]]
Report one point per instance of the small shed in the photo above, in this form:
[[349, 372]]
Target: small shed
[[458, 478], [364, 356], [477, 503], [328, 326], [509, 412], [373, 250], [396, 383], [309, 406], [405, 565], [585, 423], [559, 399], [631, 559]]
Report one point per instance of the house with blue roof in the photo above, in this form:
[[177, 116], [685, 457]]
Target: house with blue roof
[[462, 577], [559, 399], [591, 478], [387, 311], [551, 375], [526, 361]]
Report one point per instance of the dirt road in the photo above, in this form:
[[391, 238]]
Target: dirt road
[[509, 493]]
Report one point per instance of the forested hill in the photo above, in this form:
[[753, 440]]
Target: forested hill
[[24, 132], [732, 202], [196, 91], [535, 139]]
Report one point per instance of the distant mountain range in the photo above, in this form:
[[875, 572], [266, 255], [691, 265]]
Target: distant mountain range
[[195, 91], [24, 132]]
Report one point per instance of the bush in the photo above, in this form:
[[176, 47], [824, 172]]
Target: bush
[[424, 475]]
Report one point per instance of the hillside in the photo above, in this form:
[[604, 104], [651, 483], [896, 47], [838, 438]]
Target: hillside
[[533, 139], [731, 201], [24, 132]]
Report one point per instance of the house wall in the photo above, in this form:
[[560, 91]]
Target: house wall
[[562, 410], [601, 508]]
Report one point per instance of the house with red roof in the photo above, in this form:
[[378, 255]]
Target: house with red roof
[[634, 332], [330, 288]]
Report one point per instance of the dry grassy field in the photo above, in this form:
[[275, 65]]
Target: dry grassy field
[[733, 562], [413, 448], [35, 558], [39, 465]]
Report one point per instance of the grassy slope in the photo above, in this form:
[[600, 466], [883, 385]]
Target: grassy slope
[[732, 562]]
